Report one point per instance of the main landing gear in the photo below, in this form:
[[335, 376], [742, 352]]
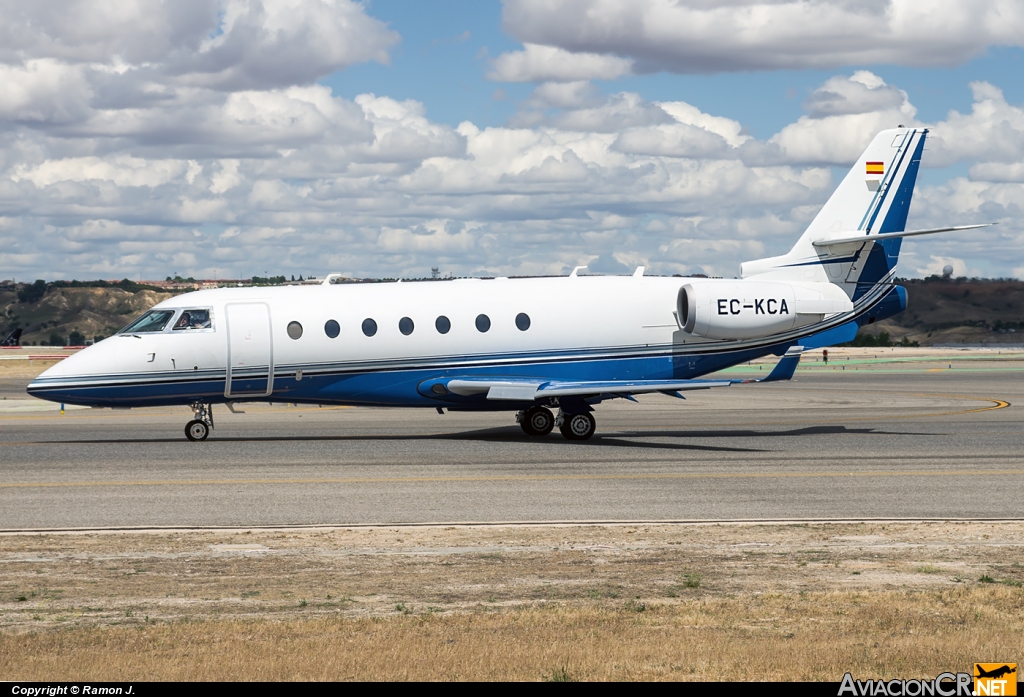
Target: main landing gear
[[199, 427], [576, 426], [539, 421], [536, 421]]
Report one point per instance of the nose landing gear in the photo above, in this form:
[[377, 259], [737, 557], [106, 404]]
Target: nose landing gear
[[199, 427]]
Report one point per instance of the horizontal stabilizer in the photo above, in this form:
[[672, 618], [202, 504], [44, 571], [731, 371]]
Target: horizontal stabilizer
[[849, 237]]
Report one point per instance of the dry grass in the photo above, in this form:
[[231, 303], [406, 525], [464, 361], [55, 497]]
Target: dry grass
[[774, 637], [791, 602]]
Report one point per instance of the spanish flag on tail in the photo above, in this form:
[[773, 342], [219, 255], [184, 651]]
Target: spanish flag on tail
[[876, 168]]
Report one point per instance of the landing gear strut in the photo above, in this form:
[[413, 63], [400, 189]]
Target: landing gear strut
[[576, 426], [199, 427], [536, 421]]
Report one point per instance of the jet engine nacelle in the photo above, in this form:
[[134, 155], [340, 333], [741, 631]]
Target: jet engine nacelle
[[753, 309]]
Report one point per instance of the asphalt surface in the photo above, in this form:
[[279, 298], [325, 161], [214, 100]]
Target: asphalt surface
[[877, 440]]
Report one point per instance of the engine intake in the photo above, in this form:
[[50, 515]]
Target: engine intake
[[754, 309]]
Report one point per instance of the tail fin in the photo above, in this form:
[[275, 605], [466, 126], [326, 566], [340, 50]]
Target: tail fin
[[13, 339], [873, 198]]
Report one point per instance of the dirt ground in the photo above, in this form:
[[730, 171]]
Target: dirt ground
[[112, 578], [714, 601]]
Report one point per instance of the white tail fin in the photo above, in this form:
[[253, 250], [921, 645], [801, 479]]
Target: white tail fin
[[873, 198]]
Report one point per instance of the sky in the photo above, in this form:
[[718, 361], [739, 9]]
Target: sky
[[229, 139]]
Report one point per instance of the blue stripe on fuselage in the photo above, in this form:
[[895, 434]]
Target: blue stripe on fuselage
[[398, 387]]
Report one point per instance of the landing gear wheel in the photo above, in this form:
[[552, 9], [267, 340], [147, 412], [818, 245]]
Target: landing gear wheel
[[537, 421], [577, 426], [196, 430]]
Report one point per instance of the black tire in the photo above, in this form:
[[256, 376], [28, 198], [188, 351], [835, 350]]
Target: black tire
[[196, 430], [537, 422], [578, 426]]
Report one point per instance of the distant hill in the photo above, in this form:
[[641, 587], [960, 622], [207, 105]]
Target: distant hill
[[59, 313], [939, 311], [958, 311]]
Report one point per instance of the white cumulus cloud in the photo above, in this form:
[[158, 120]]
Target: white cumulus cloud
[[537, 63], [696, 36], [184, 151]]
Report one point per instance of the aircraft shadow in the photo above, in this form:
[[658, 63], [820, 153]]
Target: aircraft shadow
[[513, 435], [806, 431]]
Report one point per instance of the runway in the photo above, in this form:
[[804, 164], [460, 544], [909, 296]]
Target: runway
[[877, 440]]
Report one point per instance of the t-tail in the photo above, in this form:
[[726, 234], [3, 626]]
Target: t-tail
[[854, 241], [844, 243]]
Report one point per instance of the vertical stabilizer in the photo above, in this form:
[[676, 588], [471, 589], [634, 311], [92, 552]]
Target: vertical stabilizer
[[13, 339], [874, 197]]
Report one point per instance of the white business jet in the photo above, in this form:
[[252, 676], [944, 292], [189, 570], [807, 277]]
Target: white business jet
[[527, 345]]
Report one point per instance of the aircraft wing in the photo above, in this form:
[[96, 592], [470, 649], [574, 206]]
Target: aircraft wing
[[525, 389], [520, 389]]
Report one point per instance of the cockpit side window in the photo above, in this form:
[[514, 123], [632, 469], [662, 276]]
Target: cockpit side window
[[194, 318], [152, 321]]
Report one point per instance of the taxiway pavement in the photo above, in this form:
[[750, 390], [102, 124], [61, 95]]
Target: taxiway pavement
[[876, 440]]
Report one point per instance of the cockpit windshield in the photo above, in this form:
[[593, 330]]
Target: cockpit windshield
[[152, 321]]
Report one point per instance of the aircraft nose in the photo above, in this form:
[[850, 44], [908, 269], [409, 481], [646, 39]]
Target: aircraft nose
[[68, 380]]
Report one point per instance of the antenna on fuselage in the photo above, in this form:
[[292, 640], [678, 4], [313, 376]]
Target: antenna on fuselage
[[576, 271]]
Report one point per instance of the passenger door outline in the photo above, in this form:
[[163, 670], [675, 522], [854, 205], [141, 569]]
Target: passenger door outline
[[232, 355]]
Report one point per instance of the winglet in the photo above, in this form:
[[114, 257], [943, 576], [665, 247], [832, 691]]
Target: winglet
[[785, 368]]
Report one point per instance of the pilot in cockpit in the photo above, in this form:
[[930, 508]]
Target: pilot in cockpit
[[194, 319]]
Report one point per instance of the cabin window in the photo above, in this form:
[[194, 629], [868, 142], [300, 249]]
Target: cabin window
[[523, 321], [332, 329], [194, 318], [294, 330], [405, 325], [152, 321], [369, 327], [483, 323], [443, 325]]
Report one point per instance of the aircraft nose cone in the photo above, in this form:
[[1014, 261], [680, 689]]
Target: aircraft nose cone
[[62, 382]]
